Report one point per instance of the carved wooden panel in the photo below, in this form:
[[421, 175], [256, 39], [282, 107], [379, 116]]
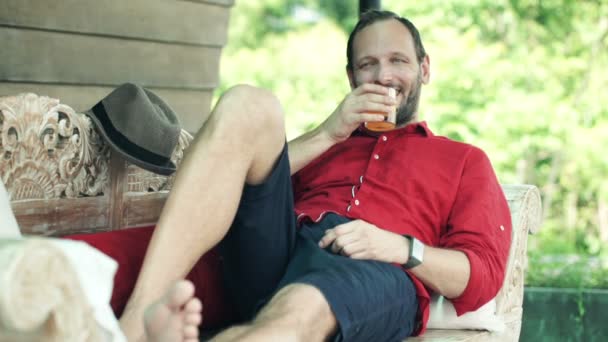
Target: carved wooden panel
[[49, 151], [144, 192], [62, 178]]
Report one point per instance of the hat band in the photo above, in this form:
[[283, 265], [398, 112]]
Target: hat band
[[123, 142]]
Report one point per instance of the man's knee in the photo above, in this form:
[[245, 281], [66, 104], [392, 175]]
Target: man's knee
[[251, 109], [301, 305], [295, 295]]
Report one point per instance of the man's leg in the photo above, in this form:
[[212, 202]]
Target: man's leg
[[239, 143], [327, 295], [257, 248], [298, 312]]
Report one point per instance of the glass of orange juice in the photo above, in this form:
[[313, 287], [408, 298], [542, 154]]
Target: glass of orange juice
[[390, 118]]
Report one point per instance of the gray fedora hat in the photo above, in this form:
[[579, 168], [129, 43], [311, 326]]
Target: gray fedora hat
[[140, 126]]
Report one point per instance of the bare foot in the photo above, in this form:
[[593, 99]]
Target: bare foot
[[175, 317], [131, 324]]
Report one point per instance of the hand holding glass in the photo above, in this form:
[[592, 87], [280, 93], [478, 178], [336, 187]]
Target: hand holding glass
[[390, 118]]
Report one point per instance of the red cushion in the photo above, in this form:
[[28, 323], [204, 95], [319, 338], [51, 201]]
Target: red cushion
[[128, 248]]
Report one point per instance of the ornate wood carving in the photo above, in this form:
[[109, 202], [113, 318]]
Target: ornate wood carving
[[48, 151]]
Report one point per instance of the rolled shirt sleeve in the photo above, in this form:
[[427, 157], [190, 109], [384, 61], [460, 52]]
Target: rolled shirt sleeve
[[479, 225]]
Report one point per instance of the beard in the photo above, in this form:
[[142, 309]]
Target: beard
[[409, 107]]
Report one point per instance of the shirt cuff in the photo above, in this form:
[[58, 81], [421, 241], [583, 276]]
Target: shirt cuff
[[471, 297]]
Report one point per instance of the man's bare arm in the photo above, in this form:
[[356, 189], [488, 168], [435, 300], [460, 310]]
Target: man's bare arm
[[445, 271], [307, 147], [352, 112]]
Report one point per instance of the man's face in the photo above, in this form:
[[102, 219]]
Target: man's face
[[384, 53]]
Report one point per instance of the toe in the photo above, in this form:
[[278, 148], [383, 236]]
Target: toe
[[190, 331], [194, 305], [180, 294], [193, 319]]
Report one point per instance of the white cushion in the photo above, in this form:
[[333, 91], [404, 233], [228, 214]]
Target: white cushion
[[443, 316], [8, 224], [68, 282], [97, 285]]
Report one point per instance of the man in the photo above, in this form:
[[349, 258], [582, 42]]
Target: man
[[382, 218]]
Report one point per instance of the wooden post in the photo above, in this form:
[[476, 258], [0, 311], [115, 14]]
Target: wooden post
[[365, 5], [118, 183]]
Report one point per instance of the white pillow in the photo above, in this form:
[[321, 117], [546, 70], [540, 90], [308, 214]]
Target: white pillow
[[95, 271], [443, 316], [8, 224]]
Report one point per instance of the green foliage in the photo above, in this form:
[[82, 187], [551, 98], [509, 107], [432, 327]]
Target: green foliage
[[567, 271], [295, 65], [525, 80]]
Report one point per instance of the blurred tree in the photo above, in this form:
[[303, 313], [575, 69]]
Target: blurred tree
[[522, 79]]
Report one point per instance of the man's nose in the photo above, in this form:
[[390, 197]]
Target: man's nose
[[385, 74]]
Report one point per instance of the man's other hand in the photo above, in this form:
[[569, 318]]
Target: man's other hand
[[361, 240]]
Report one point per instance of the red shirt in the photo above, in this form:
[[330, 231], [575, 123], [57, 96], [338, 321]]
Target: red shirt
[[409, 181]]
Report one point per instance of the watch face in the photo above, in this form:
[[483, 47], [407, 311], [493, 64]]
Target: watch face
[[416, 252]]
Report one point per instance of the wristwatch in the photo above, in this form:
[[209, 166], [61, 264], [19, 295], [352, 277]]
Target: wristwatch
[[416, 252]]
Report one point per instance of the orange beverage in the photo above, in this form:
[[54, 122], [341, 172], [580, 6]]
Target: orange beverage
[[380, 126], [390, 119]]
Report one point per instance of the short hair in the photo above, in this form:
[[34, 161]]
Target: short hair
[[373, 16]]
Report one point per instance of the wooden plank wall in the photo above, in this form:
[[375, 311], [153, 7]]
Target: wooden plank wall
[[79, 50]]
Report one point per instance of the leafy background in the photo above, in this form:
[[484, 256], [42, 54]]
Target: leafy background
[[526, 80]]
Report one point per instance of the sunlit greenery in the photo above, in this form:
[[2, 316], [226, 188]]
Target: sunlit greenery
[[526, 80]]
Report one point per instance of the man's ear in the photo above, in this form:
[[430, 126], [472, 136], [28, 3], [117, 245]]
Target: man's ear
[[425, 69], [351, 78]]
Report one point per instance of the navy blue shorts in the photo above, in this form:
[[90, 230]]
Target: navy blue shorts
[[263, 252]]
